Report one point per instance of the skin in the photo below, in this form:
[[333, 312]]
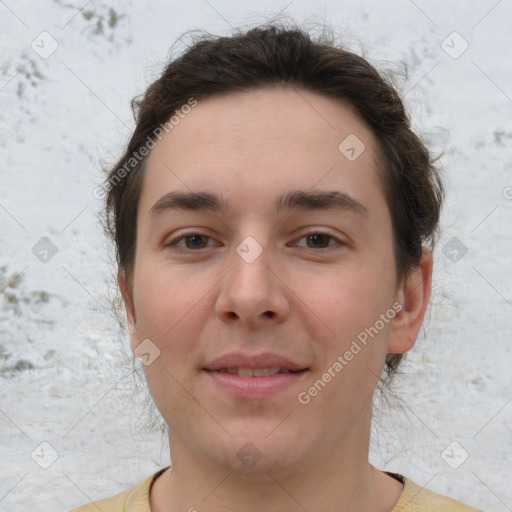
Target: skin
[[197, 304]]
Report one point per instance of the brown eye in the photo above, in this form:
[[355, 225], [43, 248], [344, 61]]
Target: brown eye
[[191, 241], [195, 241], [320, 240]]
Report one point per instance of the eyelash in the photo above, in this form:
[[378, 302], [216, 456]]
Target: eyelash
[[173, 243]]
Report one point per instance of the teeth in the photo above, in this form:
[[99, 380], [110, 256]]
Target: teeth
[[256, 372], [245, 372]]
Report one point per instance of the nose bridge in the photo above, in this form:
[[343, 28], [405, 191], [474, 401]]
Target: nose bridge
[[251, 289], [251, 276]]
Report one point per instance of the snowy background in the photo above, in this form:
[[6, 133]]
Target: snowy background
[[73, 416]]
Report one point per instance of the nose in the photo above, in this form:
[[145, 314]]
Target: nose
[[254, 291]]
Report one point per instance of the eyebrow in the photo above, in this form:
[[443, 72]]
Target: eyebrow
[[293, 200]]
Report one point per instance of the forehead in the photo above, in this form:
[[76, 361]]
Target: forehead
[[251, 144]]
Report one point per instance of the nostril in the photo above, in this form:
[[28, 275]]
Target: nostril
[[270, 314]]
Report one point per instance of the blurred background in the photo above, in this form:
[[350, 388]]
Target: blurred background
[[74, 418]]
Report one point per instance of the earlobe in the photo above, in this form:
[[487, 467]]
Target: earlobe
[[414, 295]]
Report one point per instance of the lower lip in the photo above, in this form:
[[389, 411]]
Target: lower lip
[[255, 387]]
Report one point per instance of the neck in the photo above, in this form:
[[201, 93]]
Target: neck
[[340, 479]]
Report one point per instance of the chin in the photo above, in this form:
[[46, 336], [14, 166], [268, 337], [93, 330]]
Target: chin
[[258, 449]]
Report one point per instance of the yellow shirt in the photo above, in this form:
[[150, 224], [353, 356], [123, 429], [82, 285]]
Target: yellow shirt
[[414, 498]]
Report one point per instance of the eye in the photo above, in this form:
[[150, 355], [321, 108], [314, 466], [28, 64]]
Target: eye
[[191, 240], [318, 239]]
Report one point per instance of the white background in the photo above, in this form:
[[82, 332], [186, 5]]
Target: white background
[[66, 370]]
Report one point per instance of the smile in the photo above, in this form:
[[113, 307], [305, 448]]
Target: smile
[[254, 372]]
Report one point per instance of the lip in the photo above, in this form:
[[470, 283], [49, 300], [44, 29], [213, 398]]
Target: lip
[[254, 387], [262, 360]]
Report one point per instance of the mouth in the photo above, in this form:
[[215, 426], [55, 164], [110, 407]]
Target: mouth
[[255, 383], [256, 372]]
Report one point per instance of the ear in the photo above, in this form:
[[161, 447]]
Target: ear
[[414, 294], [128, 304]]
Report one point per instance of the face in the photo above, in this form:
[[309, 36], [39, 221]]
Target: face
[[287, 266]]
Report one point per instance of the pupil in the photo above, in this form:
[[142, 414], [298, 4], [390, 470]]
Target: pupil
[[196, 239], [316, 238]]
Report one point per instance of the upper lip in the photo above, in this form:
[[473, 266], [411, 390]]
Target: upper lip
[[263, 360]]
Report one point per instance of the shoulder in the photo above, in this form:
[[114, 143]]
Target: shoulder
[[133, 500], [116, 503], [416, 498]]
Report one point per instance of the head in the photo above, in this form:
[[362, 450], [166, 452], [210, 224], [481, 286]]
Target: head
[[278, 203]]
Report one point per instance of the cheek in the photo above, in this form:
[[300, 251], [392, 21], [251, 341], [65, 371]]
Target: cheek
[[352, 298], [171, 311], [351, 303], [353, 350], [173, 308], [165, 298]]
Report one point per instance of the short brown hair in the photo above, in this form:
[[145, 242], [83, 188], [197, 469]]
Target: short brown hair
[[273, 55]]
